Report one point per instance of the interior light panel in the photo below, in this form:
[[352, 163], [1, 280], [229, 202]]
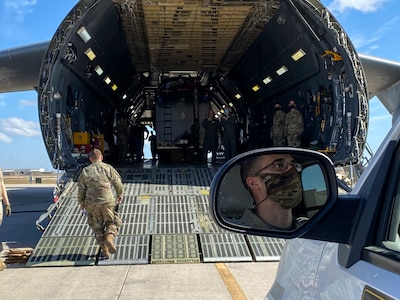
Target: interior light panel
[[98, 70], [282, 70], [84, 34], [267, 80], [299, 54], [107, 80], [90, 54]]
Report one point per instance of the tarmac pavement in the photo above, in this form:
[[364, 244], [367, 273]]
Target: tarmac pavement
[[162, 281], [247, 280]]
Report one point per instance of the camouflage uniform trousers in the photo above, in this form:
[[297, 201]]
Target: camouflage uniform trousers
[[277, 131], [293, 139], [103, 220], [279, 139]]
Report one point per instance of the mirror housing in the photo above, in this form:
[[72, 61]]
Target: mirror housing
[[234, 197]]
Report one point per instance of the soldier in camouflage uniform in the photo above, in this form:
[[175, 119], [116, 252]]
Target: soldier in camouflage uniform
[[278, 126], [274, 183], [122, 131], [96, 195], [294, 125]]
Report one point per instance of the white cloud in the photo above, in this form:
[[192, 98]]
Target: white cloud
[[5, 139], [12, 17], [385, 27], [361, 5], [362, 41], [27, 103], [17, 9], [18, 126], [378, 119], [370, 41]]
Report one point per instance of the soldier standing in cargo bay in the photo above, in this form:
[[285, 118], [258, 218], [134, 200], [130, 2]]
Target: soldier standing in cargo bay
[[122, 131], [278, 126], [96, 195], [294, 125]]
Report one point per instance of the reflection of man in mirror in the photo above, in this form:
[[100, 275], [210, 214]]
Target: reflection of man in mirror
[[275, 185]]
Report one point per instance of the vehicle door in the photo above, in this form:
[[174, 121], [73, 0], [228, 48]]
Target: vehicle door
[[369, 267]]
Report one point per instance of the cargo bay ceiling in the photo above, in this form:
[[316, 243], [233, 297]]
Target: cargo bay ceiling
[[112, 59], [192, 35]]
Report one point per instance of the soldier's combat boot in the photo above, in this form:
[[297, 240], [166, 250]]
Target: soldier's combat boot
[[109, 242], [106, 252]]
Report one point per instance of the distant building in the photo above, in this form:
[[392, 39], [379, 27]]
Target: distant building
[[17, 172]]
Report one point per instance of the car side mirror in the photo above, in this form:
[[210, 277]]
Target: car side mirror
[[276, 192]]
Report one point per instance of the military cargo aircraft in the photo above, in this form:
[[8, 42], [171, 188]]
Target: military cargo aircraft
[[167, 63]]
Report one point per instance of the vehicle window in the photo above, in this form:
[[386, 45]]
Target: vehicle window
[[347, 178], [392, 241], [314, 186]]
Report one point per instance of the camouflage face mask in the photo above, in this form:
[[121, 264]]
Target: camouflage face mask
[[285, 188]]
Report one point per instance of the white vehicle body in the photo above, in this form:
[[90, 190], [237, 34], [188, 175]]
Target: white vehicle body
[[310, 270]]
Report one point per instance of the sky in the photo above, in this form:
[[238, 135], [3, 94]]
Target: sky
[[372, 26]]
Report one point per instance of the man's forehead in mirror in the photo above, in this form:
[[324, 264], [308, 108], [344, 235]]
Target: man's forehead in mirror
[[251, 166], [268, 159]]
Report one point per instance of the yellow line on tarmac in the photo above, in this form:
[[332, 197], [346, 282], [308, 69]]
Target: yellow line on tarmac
[[233, 287]]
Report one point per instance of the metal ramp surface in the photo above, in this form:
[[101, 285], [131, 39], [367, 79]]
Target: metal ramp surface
[[64, 251], [175, 248], [166, 220]]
